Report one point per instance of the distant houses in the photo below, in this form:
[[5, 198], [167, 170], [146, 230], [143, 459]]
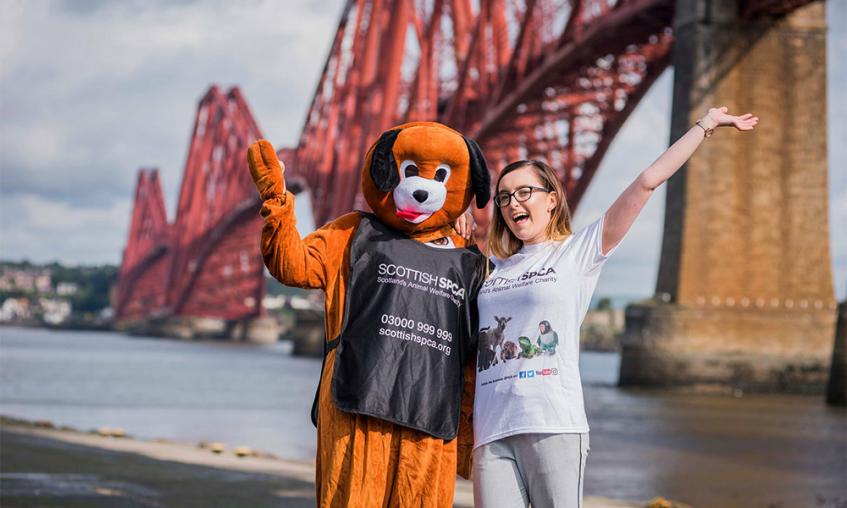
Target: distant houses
[[29, 280], [38, 295]]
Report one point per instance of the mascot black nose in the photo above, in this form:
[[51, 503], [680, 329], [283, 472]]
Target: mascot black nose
[[420, 195]]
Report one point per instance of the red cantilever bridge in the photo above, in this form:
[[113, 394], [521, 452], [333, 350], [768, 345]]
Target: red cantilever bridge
[[547, 79]]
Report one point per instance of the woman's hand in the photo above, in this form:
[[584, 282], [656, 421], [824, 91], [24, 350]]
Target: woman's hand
[[718, 117], [625, 209], [465, 225]]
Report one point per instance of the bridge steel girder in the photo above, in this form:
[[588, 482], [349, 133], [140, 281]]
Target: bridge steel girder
[[206, 263], [140, 294], [548, 79], [540, 79], [228, 282], [215, 183], [148, 239]]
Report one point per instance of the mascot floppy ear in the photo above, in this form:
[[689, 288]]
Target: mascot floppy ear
[[480, 177], [384, 172]]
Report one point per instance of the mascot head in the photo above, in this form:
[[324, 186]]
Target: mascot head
[[421, 176]]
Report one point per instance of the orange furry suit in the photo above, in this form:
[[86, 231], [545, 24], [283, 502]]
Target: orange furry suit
[[394, 443]]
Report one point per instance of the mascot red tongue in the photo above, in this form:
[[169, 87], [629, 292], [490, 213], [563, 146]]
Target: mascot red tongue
[[408, 215], [395, 397]]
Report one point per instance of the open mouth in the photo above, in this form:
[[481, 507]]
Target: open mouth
[[520, 217], [410, 215]]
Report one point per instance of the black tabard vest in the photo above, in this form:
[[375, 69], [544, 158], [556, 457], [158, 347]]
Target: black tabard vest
[[409, 326]]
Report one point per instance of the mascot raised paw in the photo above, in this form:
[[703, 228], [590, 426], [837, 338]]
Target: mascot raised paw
[[394, 400]]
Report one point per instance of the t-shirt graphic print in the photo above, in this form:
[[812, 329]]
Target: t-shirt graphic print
[[530, 310]]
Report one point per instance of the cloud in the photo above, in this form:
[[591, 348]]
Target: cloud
[[95, 90], [40, 230]]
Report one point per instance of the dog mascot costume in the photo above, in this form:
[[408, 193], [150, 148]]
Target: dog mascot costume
[[394, 402]]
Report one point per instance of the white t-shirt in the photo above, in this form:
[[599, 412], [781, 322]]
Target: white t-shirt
[[530, 311]]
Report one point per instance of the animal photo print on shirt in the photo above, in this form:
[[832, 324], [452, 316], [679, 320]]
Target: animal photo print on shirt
[[495, 347]]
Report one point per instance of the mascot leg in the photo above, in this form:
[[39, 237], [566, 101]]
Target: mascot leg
[[368, 462]]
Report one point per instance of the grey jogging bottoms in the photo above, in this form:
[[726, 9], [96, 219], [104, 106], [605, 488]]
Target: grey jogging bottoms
[[545, 470]]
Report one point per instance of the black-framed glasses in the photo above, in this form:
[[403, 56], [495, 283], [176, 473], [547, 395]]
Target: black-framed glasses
[[521, 194]]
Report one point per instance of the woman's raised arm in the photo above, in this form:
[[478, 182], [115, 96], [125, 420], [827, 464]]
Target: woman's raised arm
[[621, 215]]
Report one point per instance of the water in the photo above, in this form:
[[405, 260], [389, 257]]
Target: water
[[768, 451], [251, 395], [240, 395]]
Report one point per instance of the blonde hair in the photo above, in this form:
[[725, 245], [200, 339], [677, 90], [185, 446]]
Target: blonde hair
[[501, 241]]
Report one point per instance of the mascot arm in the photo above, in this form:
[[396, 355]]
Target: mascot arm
[[312, 262], [290, 259], [306, 262]]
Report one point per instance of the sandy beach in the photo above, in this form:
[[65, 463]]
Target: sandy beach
[[47, 467]]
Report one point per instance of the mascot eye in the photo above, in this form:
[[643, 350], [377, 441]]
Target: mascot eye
[[442, 173], [409, 168]]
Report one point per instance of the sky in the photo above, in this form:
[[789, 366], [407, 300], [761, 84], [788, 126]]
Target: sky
[[93, 90]]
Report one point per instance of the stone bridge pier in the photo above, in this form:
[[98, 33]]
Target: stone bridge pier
[[744, 296]]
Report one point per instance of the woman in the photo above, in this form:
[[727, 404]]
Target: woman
[[530, 428]]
